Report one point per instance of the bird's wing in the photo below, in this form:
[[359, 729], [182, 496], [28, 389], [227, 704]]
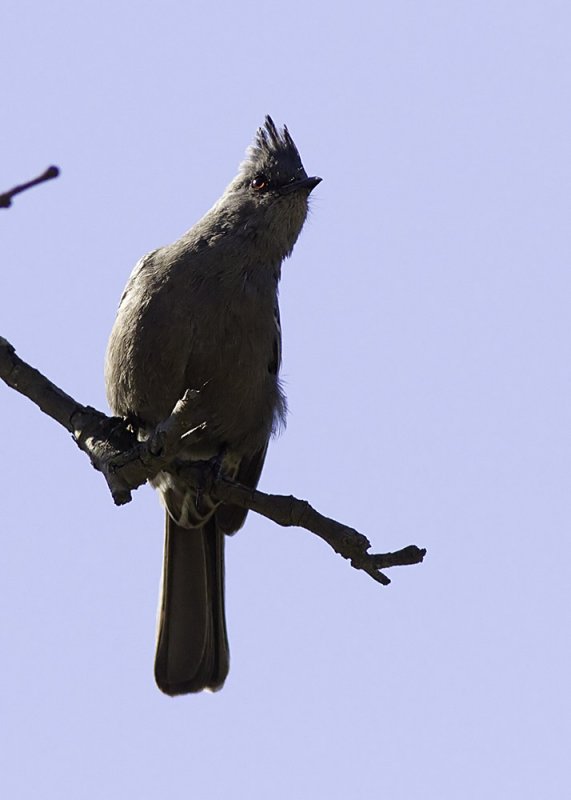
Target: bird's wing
[[231, 518]]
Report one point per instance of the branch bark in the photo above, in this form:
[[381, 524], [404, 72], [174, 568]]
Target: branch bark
[[126, 463]]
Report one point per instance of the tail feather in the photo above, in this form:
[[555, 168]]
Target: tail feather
[[192, 647]]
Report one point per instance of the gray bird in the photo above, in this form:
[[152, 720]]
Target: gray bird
[[202, 313]]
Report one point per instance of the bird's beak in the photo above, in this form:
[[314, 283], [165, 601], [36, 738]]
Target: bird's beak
[[303, 183]]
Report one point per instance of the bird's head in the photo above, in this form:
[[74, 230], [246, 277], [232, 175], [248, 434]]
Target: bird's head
[[272, 188], [273, 167]]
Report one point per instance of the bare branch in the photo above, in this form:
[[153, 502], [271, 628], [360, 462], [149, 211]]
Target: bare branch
[[110, 443], [48, 175], [127, 463], [289, 511], [28, 381]]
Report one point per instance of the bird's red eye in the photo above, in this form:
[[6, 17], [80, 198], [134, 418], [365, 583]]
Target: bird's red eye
[[259, 182]]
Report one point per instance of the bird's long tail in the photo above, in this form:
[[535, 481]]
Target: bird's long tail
[[192, 646]]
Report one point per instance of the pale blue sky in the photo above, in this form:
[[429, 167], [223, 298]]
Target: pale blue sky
[[427, 361]]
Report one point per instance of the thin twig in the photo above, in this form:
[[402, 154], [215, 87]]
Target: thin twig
[[289, 511], [48, 175]]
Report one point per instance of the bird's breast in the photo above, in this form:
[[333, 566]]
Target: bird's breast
[[190, 324]]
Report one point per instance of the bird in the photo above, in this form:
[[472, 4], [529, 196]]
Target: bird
[[202, 314]]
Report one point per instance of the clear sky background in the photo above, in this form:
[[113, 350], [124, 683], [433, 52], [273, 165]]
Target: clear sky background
[[427, 362]]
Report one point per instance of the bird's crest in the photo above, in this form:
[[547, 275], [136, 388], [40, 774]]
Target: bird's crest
[[273, 151]]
